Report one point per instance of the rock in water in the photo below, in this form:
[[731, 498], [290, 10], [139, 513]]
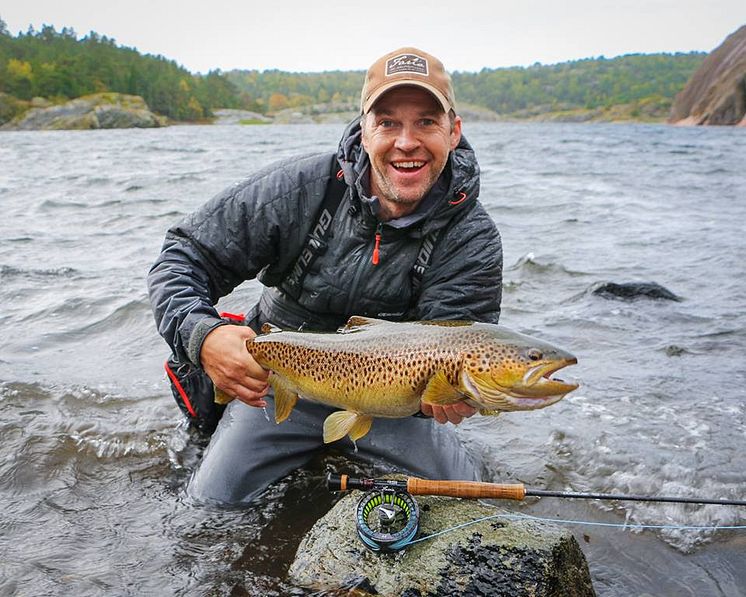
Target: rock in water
[[493, 557], [633, 290], [716, 92], [97, 111]]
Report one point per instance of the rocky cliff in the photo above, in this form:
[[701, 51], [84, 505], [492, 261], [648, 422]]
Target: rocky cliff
[[716, 93], [97, 111]]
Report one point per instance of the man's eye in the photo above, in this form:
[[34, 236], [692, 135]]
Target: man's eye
[[427, 122], [386, 124]]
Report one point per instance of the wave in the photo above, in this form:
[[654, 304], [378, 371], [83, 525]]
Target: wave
[[530, 264], [62, 272]]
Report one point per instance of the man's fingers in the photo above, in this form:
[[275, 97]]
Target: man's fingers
[[255, 385], [464, 410], [251, 397], [256, 371], [453, 413]]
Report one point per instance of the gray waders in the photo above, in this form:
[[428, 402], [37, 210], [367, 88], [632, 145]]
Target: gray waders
[[247, 452]]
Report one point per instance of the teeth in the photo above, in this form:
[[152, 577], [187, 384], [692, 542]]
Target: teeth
[[409, 164]]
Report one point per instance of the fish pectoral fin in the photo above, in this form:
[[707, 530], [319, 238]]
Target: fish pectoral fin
[[489, 412], [440, 392], [285, 397], [344, 422], [221, 397]]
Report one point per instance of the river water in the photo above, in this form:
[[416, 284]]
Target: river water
[[94, 459]]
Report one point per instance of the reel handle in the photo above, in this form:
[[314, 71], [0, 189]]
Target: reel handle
[[466, 489]]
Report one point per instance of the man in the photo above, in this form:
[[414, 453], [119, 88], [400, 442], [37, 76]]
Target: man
[[412, 183]]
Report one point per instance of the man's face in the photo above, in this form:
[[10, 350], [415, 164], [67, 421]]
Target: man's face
[[408, 137]]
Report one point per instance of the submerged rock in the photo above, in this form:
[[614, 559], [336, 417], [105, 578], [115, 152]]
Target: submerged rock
[[492, 557], [716, 92], [97, 111], [633, 290]]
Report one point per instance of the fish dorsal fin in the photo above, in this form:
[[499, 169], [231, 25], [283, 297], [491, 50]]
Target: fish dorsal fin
[[269, 328], [448, 323], [285, 397], [345, 422], [358, 321], [440, 392]]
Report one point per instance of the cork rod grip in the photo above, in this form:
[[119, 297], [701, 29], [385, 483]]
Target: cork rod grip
[[466, 489]]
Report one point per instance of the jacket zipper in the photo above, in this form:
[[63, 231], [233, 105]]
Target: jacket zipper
[[361, 268]]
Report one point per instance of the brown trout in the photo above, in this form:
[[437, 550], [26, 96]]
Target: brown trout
[[374, 368]]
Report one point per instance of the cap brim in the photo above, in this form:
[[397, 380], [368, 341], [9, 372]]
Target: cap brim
[[442, 99]]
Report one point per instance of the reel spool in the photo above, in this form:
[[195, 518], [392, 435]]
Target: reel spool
[[387, 520]]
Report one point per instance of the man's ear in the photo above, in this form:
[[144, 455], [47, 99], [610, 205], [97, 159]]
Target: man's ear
[[364, 131], [456, 132]]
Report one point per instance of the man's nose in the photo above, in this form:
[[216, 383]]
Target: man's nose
[[407, 139]]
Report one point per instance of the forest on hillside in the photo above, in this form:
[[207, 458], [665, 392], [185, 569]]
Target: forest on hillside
[[589, 83], [59, 65]]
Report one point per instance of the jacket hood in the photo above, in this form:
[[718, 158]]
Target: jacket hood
[[456, 190]]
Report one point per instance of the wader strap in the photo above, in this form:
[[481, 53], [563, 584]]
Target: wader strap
[[424, 257], [316, 241]]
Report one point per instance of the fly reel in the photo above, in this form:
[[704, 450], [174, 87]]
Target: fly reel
[[387, 520]]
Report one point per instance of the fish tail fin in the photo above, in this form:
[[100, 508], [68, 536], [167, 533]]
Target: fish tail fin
[[344, 422], [221, 397]]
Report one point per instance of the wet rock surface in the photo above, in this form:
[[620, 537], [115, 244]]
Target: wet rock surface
[[498, 556], [634, 290]]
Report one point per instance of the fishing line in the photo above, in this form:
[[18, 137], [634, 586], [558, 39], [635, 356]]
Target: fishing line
[[624, 526]]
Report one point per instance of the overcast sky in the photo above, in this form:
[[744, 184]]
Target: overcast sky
[[466, 35]]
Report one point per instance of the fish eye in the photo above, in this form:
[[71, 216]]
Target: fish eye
[[534, 354]]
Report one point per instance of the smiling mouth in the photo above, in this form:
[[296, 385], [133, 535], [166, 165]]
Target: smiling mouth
[[409, 166]]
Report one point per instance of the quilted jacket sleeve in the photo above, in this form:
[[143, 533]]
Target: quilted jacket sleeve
[[250, 229]]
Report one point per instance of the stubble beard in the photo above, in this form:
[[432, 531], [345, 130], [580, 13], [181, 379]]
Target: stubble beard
[[388, 192]]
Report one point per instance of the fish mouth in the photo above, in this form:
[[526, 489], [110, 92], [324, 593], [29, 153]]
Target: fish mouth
[[538, 389], [538, 381]]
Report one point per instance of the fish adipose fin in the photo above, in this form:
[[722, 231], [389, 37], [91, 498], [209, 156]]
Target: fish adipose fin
[[268, 328], [285, 397], [344, 422], [440, 392]]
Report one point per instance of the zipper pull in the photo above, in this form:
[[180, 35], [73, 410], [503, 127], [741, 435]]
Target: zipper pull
[[376, 253]]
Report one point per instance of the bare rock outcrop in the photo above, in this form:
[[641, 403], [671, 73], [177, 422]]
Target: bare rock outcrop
[[495, 557], [716, 92], [97, 111]]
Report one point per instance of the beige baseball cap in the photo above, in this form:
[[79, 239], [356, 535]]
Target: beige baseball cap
[[407, 66]]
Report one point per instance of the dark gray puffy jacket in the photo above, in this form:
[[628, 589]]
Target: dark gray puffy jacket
[[257, 229]]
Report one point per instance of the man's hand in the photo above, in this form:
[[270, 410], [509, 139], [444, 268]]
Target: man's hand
[[230, 366], [455, 413]]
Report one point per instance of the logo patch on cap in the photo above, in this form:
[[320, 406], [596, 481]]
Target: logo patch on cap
[[406, 63]]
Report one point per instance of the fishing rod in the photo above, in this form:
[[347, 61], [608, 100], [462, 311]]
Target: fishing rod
[[387, 517], [499, 491]]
